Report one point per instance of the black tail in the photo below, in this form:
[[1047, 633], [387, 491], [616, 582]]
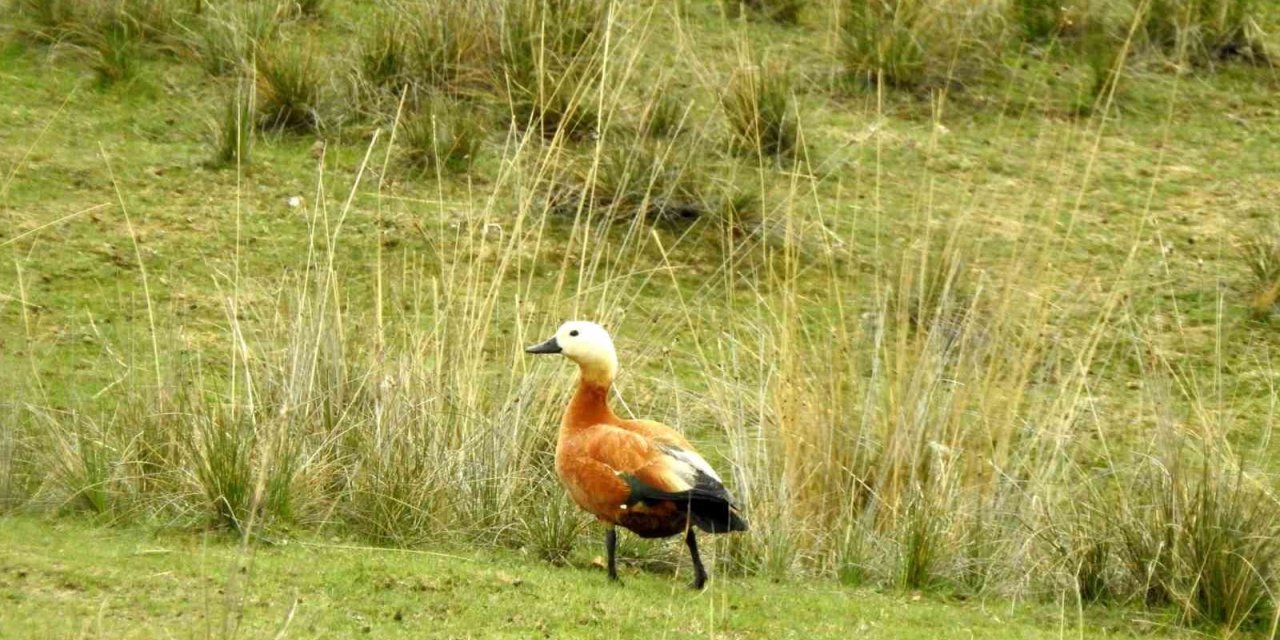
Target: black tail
[[716, 516]]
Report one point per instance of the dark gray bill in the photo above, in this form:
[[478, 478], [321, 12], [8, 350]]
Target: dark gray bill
[[550, 346]]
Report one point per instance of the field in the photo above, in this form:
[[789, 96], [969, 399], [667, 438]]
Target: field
[[973, 304], [135, 583]]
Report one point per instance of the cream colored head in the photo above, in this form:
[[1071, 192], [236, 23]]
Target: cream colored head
[[587, 344]]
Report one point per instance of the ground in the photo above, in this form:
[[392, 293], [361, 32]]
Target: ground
[[68, 578]]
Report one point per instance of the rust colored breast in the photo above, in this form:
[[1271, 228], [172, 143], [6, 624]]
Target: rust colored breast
[[593, 486]]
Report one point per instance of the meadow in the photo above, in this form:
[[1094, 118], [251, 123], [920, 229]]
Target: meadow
[[972, 302]]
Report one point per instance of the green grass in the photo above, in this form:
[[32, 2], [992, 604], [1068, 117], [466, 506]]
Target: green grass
[[962, 322], [135, 582]]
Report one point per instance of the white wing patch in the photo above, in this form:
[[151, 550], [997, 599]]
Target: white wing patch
[[693, 460]]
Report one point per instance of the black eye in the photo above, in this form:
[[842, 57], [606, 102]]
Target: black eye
[[573, 334]]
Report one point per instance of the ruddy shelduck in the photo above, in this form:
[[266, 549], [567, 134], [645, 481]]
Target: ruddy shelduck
[[637, 474]]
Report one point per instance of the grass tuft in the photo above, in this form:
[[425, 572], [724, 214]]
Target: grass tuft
[[637, 181], [933, 294], [117, 46], [1261, 254], [235, 131], [1039, 20], [83, 471], [920, 538], [309, 9], [48, 19], [914, 44], [442, 137], [384, 52], [761, 111], [1230, 547], [887, 41], [447, 47], [224, 38], [221, 449], [549, 63], [553, 528], [1204, 31], [290, 88], [663, 116]]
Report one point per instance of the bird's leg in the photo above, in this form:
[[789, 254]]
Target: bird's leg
[[699, 572], [611, 549]]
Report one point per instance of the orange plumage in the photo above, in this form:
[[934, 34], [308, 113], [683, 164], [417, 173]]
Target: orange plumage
[[595, 446], [638, 474]]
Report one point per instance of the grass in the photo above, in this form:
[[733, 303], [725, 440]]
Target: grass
[[781, 11], [549, 59], [1261, 254], [234, 133], [663, 116], [141, 583], [1040, 20], [442, 136], [761, 112], [634, 180], [1201, 32], [905, 43], [313, 9], [441, 47], [116, 49], [978, 335], [290, 88], [224, 38]]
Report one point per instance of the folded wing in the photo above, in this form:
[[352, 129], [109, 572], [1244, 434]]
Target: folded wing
[[710, 506]]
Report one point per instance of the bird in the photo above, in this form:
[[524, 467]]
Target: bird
[[640, 475]]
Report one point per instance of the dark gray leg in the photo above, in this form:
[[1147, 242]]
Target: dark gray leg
[[699, 572], [611, 548]]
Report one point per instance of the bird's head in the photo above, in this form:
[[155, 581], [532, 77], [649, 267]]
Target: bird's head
[[587, 344]]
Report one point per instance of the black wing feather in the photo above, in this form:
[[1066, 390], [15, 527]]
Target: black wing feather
[[708, 503]]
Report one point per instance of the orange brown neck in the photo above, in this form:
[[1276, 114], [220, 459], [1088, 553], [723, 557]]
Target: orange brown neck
[[589, 405]]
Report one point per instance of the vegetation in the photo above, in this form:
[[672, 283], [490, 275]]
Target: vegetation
[[759, 109], [143, 583], [290, 87], [781, 11], [442, 136], [913, 43], [975, 299], [235, 130], [1261, 254]]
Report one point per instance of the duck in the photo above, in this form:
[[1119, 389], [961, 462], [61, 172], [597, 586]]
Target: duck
[[639, 475]]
